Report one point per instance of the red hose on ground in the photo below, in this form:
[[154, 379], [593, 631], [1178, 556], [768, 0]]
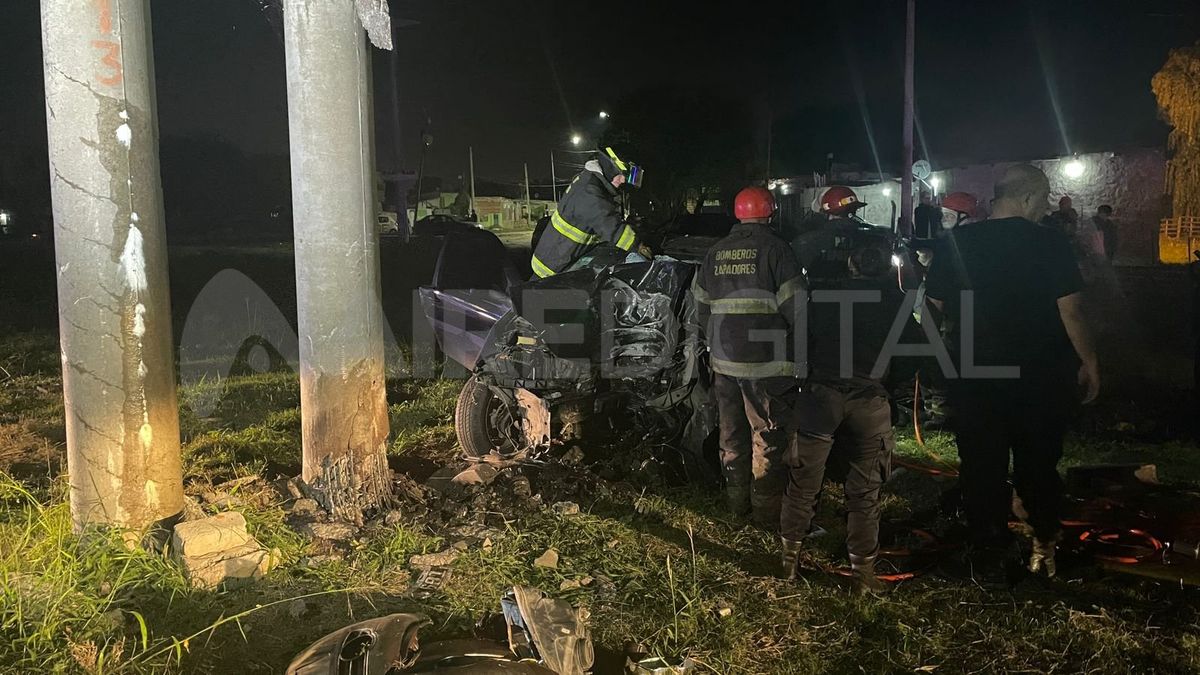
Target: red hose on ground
[[948, 471], [1112, 538], [916, 404]]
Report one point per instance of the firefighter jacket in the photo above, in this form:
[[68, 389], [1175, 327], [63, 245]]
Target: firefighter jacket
[[748, 294], [587, 216]]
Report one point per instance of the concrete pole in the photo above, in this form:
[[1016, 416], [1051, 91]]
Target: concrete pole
[[471, 159], [528, 209], [906, 181], [342, 397], [553, 180], [122, 418]]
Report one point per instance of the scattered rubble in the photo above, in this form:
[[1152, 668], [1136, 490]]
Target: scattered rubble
[[549, 559], [218, 552], [570, 585], [303, 507], [220, 500], [429, 582], [288, 488], [538, 636], [334, 531], [441, 559], [574, 455], [566, 508], [477, 474]]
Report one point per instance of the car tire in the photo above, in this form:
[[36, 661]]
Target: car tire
[[480, 418]]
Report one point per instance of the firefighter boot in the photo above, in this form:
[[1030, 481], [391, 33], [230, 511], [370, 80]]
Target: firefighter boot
[[863, 575], [1042, 557], [791, 557]]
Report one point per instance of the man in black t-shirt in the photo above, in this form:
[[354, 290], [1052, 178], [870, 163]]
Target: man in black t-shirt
[[927, 219], [1010, 293]]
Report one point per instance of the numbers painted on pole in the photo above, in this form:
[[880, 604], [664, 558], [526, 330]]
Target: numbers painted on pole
[[109, 56], [110, 60]]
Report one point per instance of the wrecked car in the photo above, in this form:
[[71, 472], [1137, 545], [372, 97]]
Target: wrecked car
[[602, 348]]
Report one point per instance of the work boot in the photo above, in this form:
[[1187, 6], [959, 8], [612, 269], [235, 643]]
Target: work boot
[[863, 576], [737, 499], [1042, 557], [791, 557]]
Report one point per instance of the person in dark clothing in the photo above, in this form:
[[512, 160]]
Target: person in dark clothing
[[1011, 295], [747, 293], [1065, 219], [588, 217], [843, 408], [927, 219], [1108, 230]]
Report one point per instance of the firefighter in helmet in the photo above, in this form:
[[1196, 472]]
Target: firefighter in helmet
[[748, 293], [589, 220]]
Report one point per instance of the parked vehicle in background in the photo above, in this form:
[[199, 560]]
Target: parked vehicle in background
[[440, 224], [388, 224]]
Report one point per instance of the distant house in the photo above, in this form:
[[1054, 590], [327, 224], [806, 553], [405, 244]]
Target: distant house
[[506, 213]]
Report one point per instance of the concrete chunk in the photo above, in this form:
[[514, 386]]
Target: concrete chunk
[[231, 568], [214, 534]]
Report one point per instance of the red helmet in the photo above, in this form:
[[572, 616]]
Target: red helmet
[[754, 202], [840, 200], [962, 202]]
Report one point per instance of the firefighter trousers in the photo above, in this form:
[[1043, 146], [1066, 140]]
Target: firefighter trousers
[[853, 421], [756, 428]]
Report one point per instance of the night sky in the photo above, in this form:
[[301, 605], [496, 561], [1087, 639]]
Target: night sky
[[514, 78]]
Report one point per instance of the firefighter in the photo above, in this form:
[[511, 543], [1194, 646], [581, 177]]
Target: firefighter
[[844, 398], [964, 205], [589, 218], [820, 251], [747, 292], [840, 202]]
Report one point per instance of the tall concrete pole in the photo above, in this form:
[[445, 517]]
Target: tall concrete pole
[[110, 246], [471, 159], [528, 210], [342, 397], [906, 181]]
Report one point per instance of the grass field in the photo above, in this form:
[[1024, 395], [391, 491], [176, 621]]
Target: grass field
[[658, 566]]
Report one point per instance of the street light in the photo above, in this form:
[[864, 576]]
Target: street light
[[1073, 168], [603, 115], [576, 139]]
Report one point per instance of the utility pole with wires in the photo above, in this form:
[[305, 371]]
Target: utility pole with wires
[[553, 180], [528, 210], [471, 159], [906, 181]]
